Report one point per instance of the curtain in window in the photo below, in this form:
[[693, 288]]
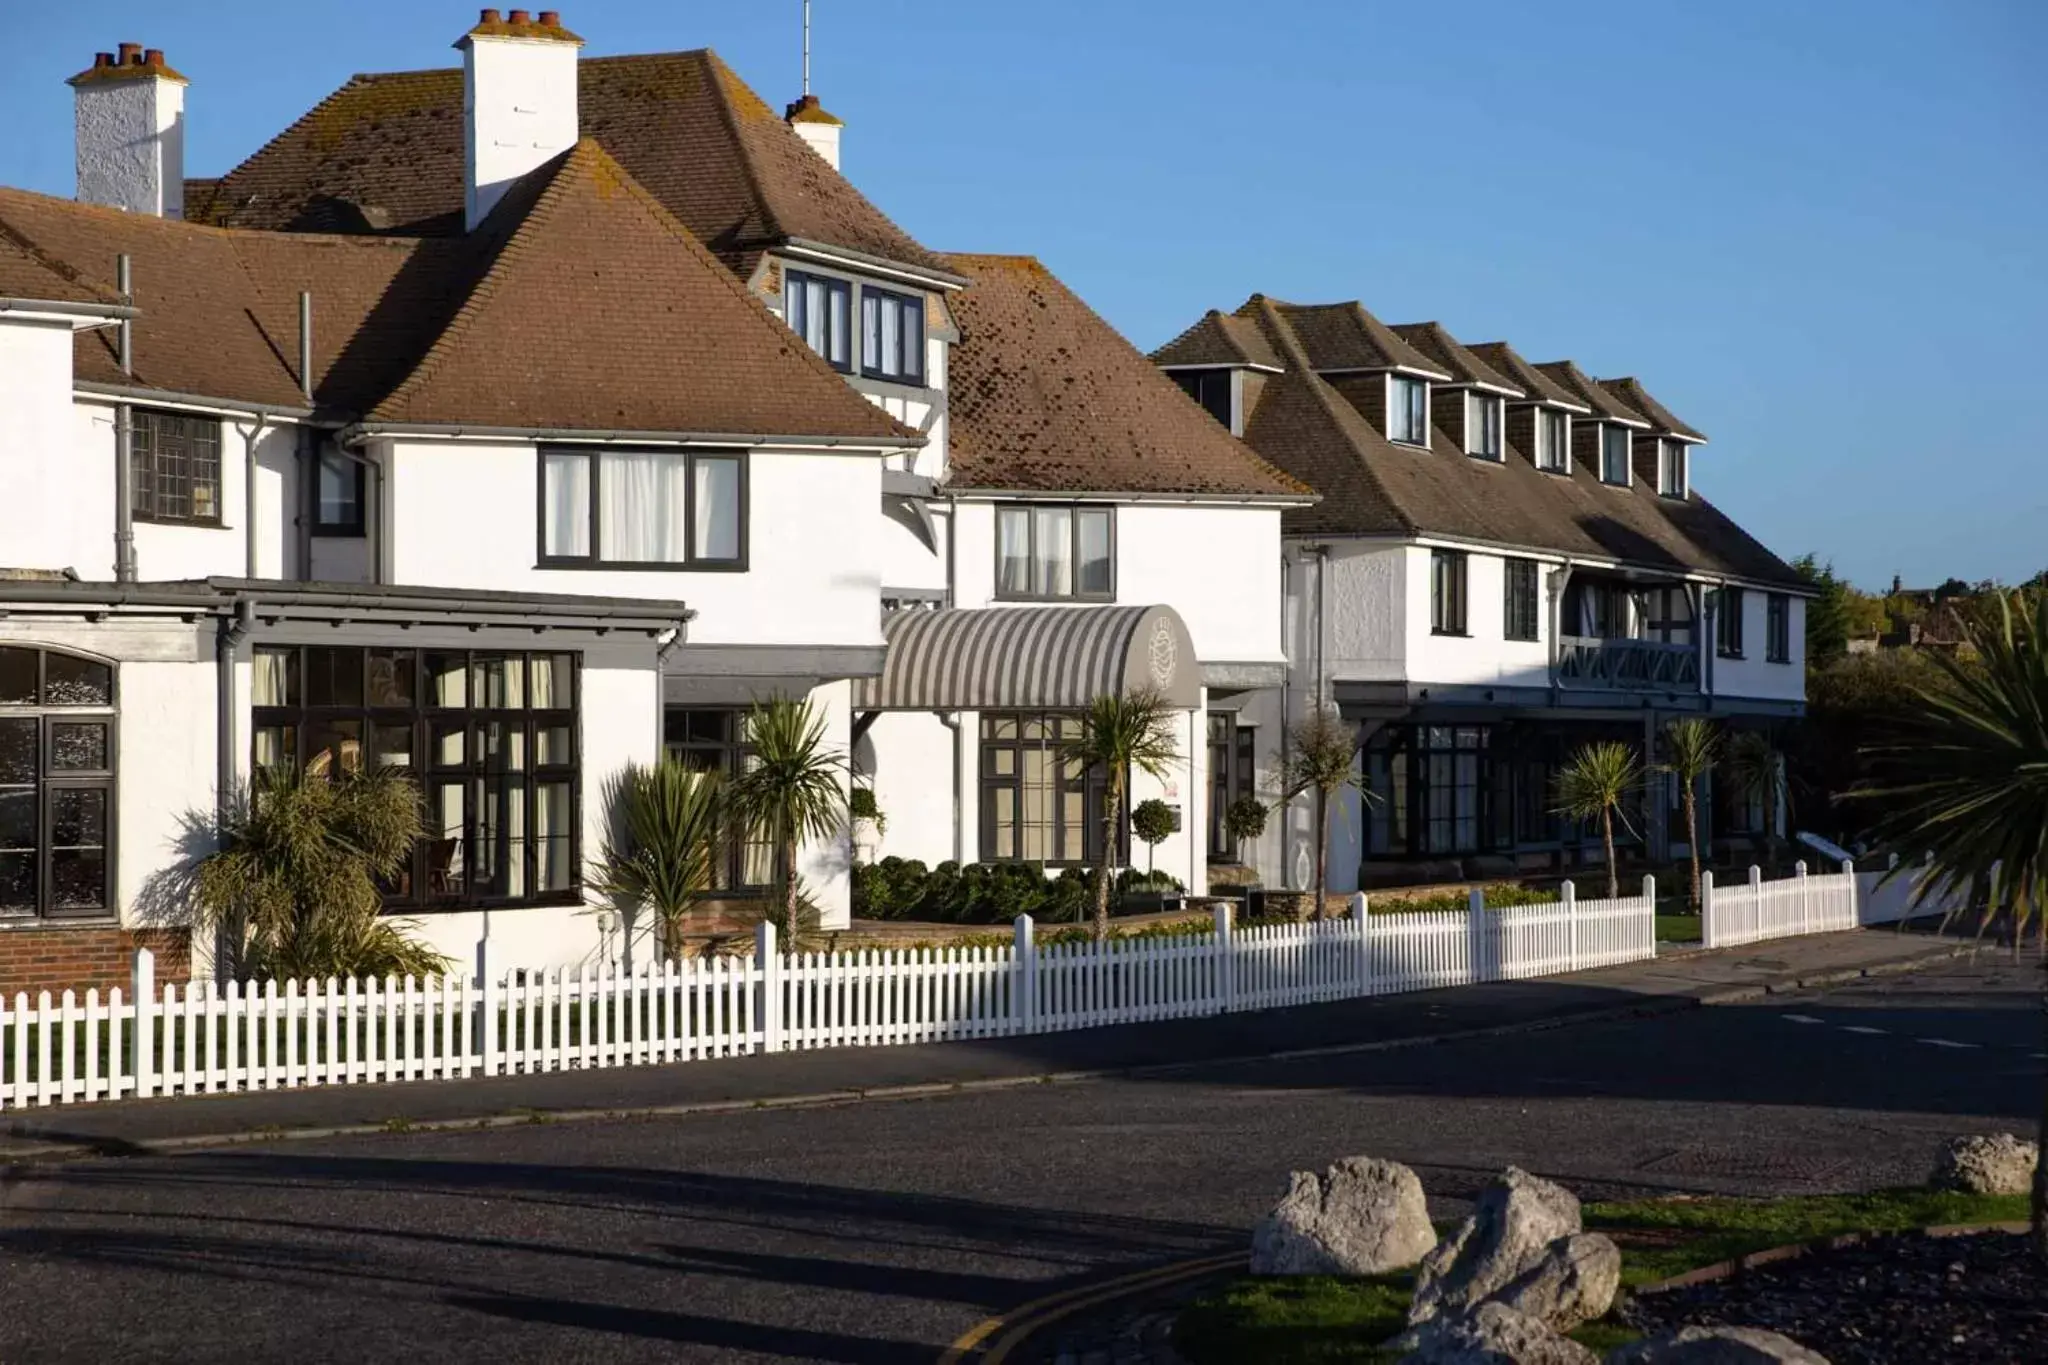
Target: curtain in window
[[270, 677], [643, 507], [1094, 568], [565, 505], [1053, 562], [717, 531], [1013, 550]]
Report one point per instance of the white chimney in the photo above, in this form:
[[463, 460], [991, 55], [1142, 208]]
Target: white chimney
[[131, 132], [816, 127], [518, 102]]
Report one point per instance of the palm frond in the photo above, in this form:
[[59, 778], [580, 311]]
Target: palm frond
[[667, 829], [1598, 779], [1692, 748]]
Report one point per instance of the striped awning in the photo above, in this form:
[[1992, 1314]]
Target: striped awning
[[1031, 658]]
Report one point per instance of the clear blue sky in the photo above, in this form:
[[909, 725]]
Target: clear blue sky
[[1819, 232]]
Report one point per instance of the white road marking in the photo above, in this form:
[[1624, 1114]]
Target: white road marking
[[1802, 1018], [1860, 1028], [1944, 1042]]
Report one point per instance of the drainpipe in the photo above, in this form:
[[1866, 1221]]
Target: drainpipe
[[249, 440], [230, 632], [1286, 694], [307, 457], [124, 438], [951, 720]]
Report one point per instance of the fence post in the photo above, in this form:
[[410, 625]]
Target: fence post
[[1024, 975], [492, 1001], [1570, 900], [1756, 901], [1650, 902], [769, 962], [1799, 871], [1361, 915], [1226, 960], [1475, 928], [144, 986], [1855, 893], [1706, 907]]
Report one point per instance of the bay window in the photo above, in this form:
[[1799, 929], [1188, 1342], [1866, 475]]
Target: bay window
[[892, 335], [639, 508], [1052, 552], [820, 310], [490, 736], [1407, 410], [56, 784]]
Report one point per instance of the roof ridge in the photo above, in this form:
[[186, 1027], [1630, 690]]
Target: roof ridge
[[715, 68]]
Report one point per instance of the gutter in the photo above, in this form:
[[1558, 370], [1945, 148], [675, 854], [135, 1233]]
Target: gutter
[[1426, 539], [878, 265], [112, 312], [359, 431], [1099, 495], [228, 407]]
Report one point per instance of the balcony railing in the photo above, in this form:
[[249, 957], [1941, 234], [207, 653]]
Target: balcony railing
[[1627, 665]]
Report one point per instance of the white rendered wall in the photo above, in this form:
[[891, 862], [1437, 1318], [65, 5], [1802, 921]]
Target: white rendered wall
[[1364, 613], [1753, 675], [464, 515], [131, 145], [913, 784], [1483, 656], [58, 507], [518, 111]]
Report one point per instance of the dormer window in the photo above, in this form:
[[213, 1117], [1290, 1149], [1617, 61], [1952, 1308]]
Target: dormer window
[[1614, 441], [1210, 388], [1407, 410], [821, 312], [892, 332], [1554, 441], [1482, 425], [1672, 475]]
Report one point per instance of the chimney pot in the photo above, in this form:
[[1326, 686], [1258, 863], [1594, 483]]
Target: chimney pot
[[102, 59], [153, 56], [489, 16], [551, 18], [519, 16], [131, 54]]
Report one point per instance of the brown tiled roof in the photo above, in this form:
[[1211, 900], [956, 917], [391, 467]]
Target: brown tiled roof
[[1587, 390], [1538, 386], [26, 272], [1218, 339], [579, 304], [1370, 486], [1631, 392], [1440, 346], [384, 153], [1046, 396], [598, 311], [1343, 336]]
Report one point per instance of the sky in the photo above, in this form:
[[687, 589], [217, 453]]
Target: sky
[[1816, 231]]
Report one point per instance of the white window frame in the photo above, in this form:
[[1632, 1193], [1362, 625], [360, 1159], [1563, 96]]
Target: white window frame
[[1485, 405], [1674, 455], [1553, 457], [1396, 408]]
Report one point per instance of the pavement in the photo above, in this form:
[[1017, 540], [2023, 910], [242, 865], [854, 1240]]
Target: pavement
[[861, 1232], [1673, 981]]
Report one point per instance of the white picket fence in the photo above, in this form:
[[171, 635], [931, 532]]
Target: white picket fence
[[1759, 910], [210, 1037]]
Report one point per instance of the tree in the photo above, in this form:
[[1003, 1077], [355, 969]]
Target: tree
[[1595, 785], [1119, 734], [1152, 822], [295, 885], [1321, 760], [1966, 779], [1755, 773], [1691, 747], [1838, 614], [791, 787], [667, 829]]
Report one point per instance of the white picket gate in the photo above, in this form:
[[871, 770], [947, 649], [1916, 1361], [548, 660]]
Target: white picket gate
[[210, 1037]]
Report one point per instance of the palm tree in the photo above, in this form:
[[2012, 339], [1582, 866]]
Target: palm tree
[[1965, 778], [667, 831], [1594, 785], [295, 884], [1691, 748], [791, 787], [1117, 735], [1753, 769], [1322, 755]]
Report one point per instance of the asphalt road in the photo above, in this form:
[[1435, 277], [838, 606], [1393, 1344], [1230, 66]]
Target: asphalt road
[[879, 1232]]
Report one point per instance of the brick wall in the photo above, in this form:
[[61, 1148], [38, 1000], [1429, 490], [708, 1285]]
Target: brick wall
[[86, 957]]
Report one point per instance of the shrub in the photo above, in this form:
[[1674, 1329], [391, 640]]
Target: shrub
[[981, 893], [1246, 818], [1499, 896], [1152, 822]]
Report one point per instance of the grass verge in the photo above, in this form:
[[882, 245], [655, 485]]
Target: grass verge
[[1327, 1320]]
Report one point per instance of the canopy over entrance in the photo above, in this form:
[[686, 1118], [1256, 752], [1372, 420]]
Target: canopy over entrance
[[1031, 659]]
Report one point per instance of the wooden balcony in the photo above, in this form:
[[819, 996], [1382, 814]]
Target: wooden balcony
[[1627, 665]]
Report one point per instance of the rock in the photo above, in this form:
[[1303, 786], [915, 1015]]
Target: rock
[[2000, 1164], [1513, 1223], [1363, 1217], [1493, 1334], [1715, 1346], [1574, 1281]]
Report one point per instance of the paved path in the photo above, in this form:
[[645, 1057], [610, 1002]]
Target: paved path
[[879, 1232]]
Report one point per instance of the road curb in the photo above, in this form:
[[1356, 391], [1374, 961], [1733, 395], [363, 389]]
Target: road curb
[[1648, 1007]]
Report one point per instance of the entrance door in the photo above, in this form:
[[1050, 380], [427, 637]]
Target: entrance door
[[1231, 752]]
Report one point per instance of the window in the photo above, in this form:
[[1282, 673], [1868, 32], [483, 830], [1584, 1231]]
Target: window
[[490, 736], [1210, 388], [1614, 440], [175, 459], [1778, 628], [1554, 441], [1053, 552], [56, 784], [1232, 761], [715, 741], [1447, 592], [892, 335], [338, 496], [1672, 479], [820, 310], [1728, 624], [1482, 425], [626, 508], [1519, 610], [1407, 410], [1037, 805]]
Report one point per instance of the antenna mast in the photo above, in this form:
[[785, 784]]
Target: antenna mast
[[807, 47]]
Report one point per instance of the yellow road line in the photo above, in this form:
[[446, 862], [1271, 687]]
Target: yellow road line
[[1022, 1321]]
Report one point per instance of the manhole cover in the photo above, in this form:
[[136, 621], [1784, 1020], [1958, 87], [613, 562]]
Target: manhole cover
[[1719, 1161]]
